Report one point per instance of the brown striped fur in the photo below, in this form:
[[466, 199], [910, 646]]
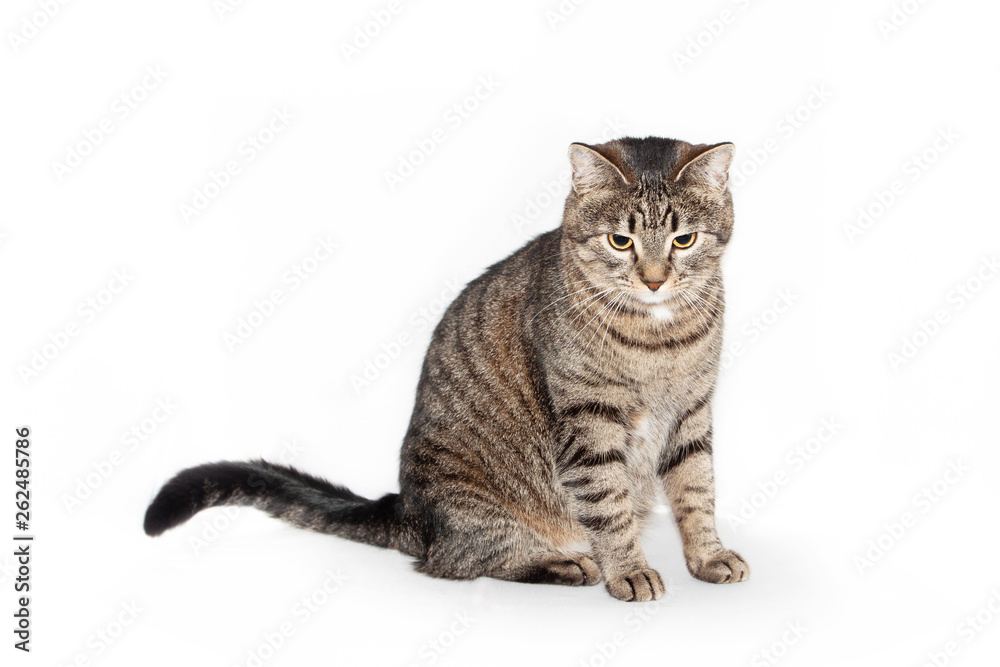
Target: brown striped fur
[[559, 397]]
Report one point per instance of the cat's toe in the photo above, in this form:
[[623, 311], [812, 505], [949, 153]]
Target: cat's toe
[[723, 567], [640, 585], [591, 573], [576, 570], [565, 569]]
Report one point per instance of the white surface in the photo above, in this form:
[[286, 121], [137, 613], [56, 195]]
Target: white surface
[[608, 69]]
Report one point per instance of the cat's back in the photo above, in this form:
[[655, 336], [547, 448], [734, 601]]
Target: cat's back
[[480, 408], [480, 358], [496, 303]]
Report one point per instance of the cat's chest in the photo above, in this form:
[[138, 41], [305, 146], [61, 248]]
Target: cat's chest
[[649, 434], [662, 398], [644, 448]]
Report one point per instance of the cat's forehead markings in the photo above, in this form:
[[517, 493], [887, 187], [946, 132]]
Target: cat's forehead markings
[[663, 216], [668, 219]]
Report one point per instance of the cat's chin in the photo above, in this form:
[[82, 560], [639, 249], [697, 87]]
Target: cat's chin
[[659, 306], [656, 298]]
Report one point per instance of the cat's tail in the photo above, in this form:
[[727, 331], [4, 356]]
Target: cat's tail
[[285, 493]]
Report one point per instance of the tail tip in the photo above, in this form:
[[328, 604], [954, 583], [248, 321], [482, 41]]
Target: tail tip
[[162, 515], [176, 502]]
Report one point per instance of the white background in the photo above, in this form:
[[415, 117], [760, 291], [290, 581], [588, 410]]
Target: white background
[[827, 111]]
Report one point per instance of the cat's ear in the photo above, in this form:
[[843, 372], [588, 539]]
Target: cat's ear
[[708, 167], [592, 171]]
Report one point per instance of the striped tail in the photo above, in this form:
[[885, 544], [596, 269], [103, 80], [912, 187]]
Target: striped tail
[[285, 493]]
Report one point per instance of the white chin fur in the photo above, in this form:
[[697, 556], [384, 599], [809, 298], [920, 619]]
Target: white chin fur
[[655, 297], [661, 312], [658, 304]]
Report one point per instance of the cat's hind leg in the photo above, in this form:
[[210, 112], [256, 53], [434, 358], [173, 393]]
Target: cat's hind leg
[[489, 540], [555, 567]]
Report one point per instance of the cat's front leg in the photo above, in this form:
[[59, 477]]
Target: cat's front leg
[[686, 471], [592, 468]]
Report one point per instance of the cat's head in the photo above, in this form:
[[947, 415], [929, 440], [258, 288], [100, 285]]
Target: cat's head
[[649, 218]]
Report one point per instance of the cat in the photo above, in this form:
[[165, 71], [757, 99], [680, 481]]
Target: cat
[[561, 391]]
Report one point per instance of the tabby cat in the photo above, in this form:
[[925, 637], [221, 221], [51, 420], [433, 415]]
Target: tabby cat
[[562, 389]]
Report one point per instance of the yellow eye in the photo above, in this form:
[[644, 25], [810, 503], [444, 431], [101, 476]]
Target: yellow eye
[[620, 242], [685, 241]]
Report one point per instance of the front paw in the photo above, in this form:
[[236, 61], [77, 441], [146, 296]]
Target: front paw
[[721, 567], [640, 585]]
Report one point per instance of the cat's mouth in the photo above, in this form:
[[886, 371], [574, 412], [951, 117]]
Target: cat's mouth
[[659, 297]]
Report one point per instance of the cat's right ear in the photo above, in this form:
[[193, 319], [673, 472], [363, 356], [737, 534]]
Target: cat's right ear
[[709, 167], [592, 171]]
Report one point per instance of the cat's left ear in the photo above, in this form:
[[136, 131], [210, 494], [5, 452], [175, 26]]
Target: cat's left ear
[[709, 167], [592, 170]]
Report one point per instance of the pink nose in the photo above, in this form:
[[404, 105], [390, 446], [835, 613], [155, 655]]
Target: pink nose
[[653, 286]]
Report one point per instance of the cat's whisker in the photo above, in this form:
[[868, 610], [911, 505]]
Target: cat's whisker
[[706, 311], [589, 287], [702, 317], [584, 306], [621, 304], [607, 308], [587, 325], [714, 306], [709, 289], [700, 297], [605, 322], [690, 306], [695, 299]]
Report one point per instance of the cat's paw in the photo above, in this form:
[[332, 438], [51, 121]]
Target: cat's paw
[[721, 567], [565, 569], [577, 569], [640, 585]]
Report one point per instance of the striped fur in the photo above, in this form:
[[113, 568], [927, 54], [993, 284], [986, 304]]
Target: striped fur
[[560, 395]]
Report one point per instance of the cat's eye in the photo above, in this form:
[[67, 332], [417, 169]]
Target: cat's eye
[[685, 240], [620, 242]]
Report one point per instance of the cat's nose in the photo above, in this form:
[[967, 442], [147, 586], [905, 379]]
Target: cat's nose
[[653, 286]]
